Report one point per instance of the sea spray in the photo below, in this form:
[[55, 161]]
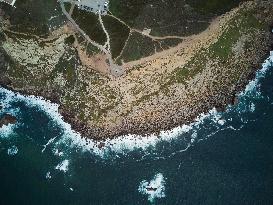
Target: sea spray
[[154, 189], [125, 144], [13, 150], [63, 166], [7, 130]]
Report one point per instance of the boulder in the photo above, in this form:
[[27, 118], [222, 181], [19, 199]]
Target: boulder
[[7, 119]]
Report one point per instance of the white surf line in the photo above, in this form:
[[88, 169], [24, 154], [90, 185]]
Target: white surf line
[[259, 74], [121, 144], [127, 143], [124, 144], [253, 86], [107, 43]]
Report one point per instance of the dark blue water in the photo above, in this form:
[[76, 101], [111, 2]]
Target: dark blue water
[[224, 158]]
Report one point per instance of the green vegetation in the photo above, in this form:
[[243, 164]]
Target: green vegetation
[[118, 34], [92, 50], [137, 47], [67, 68], [90, 96], [170, 17], [223, 46], [33, 16], [90, 24], [127, 10], [245, 24], [69, 40], [213, 6], [182, 74]]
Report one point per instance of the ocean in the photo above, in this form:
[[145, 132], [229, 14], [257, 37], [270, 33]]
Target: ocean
[[221, 158]]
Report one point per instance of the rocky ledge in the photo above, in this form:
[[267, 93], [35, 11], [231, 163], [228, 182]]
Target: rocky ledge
[[7, 119]]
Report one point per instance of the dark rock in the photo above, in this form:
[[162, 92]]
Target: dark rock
[[101, 145], [7, 119], [271, 27], [235, 101], [220, 108], [151, 189]]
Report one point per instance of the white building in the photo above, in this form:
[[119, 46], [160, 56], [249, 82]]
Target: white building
[[95, 6]]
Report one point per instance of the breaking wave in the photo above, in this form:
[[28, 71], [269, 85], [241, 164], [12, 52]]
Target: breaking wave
[[63, 166], [185, 135], [154, 189], [12, 150]]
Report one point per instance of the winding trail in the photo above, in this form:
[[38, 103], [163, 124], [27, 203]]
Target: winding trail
[[114, 69], [107, 43], [155, 38]]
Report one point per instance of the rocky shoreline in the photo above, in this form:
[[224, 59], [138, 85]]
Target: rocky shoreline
[[175, 100], [148, 128], [144, 129]]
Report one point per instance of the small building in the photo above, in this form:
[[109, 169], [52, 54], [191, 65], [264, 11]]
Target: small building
[[10, 2], [95, 6]]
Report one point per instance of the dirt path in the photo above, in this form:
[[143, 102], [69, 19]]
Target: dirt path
[[145, 33], [186, 49], [114, 69]]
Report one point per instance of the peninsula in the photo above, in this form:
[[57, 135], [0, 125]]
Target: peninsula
[[133, 67]]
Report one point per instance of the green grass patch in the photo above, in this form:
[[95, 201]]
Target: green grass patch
[[214, 6], [244, 23]]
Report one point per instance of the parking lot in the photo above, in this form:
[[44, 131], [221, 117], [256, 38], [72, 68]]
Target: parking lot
[[95, 6]]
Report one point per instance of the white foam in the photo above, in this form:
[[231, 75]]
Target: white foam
[[58, 152], [252, 107], [253, 86], [7, 130], [12, 150], [154, 189], [193, 137], [221, 122], [121, 144], [63, 166], [126, 143], [48, 175], [41, 103], [48, 143]]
